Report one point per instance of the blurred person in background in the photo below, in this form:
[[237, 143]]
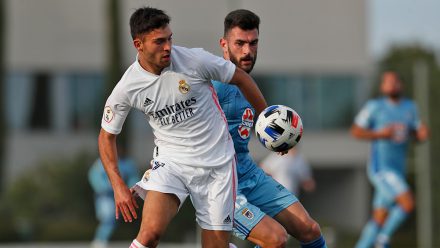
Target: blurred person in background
[[172, 86], [389, 122], [291, 170], [104, 201], [265, 211]]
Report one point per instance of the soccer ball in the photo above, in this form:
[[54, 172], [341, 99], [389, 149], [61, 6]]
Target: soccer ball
[[279, 128]]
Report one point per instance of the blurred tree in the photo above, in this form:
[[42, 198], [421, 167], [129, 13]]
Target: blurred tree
[[52, 201], [403, 60], [2, 78], [114, 62]]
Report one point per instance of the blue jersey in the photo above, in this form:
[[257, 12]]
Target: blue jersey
[[240, 116], [389, 154]]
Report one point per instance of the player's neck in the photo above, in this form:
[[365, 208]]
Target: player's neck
[[394, 100], [151, 68]]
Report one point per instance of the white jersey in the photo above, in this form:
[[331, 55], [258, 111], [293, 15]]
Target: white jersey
[[181, 107]]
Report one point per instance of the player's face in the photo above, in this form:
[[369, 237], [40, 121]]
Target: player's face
[[241, 47], [391, 85], [154, 49]]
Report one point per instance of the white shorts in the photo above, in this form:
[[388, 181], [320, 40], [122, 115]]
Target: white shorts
[[212, 190]]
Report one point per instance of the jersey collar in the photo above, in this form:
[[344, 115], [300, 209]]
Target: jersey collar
[[168, 68]]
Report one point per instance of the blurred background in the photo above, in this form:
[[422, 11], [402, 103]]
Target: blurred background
[[61, 58]]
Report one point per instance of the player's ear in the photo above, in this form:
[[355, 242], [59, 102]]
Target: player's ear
[[224, 44], [137, 44]]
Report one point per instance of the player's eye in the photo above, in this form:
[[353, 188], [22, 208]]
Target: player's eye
[[162, 41], [239, 43], [254, 43]]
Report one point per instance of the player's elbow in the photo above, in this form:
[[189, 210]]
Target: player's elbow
[[239, 77], [422, 133], [354, 131], [104, 135], [105, 138]]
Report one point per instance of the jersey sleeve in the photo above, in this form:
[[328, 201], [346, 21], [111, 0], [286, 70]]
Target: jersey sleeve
[[116, 110], [364, 118], [212, 67]]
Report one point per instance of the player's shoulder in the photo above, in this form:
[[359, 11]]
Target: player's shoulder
[[134, 74], [186, 59], [180, 52], [376, 101], [224, 89], [134, 77], [409, 103], [373, 104]]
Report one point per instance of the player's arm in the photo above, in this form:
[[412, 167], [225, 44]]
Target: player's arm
[[124, 201], [422, 133], [249, 89], [369, 134], [307, 182], [308, 185]]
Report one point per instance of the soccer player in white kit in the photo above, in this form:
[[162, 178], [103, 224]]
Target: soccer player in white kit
[[195, 154]]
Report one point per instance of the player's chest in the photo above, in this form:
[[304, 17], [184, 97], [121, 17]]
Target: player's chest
[[240, 112], [236, 107], [390, 115], [171, 92]]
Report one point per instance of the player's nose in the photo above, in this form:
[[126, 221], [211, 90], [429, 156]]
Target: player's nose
[[246, 49], [167, 46]]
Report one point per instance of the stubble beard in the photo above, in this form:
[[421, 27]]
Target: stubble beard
[[236, 61]]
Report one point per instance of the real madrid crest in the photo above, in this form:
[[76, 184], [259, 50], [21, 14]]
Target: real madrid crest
[[183, 86]]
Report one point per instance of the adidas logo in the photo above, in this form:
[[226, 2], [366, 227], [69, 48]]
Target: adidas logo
[[227, 220], [148, 101]]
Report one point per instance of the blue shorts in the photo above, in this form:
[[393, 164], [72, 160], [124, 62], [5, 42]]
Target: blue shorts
[[387, 186], [257, 195]]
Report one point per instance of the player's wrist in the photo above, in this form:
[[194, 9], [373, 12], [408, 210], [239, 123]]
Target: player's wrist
[[378, 135]]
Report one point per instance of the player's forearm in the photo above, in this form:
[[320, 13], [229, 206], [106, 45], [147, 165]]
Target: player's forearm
[[249, 89], [422, 133], [108, 154], [362, 133]]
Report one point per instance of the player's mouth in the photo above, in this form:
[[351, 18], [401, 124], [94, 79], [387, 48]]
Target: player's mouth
[[166, 58], [246, 61]]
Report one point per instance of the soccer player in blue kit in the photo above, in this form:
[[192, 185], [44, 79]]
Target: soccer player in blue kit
[[389, 122], [265, 212]]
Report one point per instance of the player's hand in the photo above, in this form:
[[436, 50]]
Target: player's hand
[[283, 153], [125, 203], [386, 132], [422, 134]]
